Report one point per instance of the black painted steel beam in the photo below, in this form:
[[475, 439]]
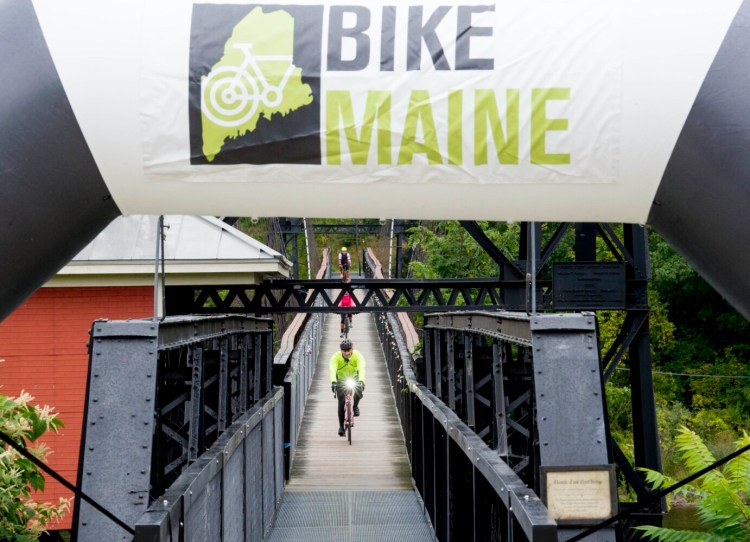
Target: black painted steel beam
[[399, 295], [403, 295], [514, 328]]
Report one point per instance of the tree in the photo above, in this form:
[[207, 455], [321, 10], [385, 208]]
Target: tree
[[721, 495], [452, 252], [23, 518], [710, 338]]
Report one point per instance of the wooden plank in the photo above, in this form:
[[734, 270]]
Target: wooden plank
[[376, 459]]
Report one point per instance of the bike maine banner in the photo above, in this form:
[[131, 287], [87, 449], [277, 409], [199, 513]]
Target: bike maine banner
[[468, 93], [525, 109]]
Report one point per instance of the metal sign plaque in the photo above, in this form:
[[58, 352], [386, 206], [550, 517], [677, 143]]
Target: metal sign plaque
[[588, 285]]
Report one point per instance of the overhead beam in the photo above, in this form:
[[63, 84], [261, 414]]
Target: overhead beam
[[292, 296]]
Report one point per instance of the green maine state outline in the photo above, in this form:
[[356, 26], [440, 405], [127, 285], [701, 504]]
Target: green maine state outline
[[270, 34]]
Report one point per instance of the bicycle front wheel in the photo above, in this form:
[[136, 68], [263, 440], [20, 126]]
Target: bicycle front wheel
[[349, 421], [229, 97]]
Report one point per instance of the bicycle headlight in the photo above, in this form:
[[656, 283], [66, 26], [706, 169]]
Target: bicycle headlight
[[351, 383]]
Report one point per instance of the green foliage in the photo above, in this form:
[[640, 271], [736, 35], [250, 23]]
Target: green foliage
[[620, 412], [22, 518], [721, 495], [708, 338], [671, 417], [452, 252]]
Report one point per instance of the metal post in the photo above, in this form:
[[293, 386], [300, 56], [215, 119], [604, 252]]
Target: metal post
[[223, 384], [428, 357], [356, 245], [438, 364], [451, 376], [295, 256], [499, 426], [390, 250], [585, 242], [256, 368], [244, 380], [157, 257], [268, 353], [533, 267], [646, 435], [399, 254], [307, 249], [196, 437], [469, 379]]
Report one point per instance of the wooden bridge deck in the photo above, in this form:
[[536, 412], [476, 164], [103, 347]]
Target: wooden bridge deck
[[359, 492]]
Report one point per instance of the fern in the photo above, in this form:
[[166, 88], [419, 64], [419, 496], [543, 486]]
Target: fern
[[738, 469], [670, 535], [723, 508], [656, 479], [695, 454]]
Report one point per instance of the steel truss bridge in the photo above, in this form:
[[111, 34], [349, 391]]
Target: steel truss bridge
[[582, 285], [483, 421]]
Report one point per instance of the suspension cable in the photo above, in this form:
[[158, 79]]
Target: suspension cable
[[691, 374]]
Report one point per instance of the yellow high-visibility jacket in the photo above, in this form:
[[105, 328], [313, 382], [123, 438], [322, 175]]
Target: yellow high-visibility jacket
[[341, 369]]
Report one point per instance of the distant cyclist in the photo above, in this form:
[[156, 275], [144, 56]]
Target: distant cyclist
[[347, 363], [346, 301], [345, 261]]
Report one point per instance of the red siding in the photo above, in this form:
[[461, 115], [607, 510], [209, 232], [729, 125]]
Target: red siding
[[44, 344]]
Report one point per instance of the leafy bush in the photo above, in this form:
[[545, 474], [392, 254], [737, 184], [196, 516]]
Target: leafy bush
[[22, 518], [671, 418]]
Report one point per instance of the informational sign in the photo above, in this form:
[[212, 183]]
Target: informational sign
[[588, 285], [579, 495]]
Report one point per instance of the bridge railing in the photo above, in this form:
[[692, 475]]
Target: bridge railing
[[468, 491], [181, 411], [231, 492], [294, 367]]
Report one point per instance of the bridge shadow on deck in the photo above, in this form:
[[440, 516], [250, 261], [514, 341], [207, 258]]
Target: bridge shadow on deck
[[360, 492]]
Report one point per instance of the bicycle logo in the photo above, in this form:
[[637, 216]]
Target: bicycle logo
[[230, 95]]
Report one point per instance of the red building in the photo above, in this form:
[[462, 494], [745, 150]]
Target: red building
[[45, 341]]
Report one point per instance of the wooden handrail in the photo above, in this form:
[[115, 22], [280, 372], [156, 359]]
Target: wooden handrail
[[289, 339], [410, 332]]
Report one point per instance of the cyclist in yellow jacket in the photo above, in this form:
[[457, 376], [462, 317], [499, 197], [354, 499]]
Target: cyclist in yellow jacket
[[347, 363]]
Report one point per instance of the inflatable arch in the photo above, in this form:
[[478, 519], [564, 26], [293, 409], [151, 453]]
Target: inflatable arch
[[576, 110]]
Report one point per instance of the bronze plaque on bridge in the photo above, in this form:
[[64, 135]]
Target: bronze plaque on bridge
[[588, 285], [579, 495]]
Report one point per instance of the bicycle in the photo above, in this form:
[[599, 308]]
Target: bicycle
[[344, 269], [345, 323], [230, 95], [344, 334], [349, 387]]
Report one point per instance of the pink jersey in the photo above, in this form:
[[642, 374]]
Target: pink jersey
[[346, 300]]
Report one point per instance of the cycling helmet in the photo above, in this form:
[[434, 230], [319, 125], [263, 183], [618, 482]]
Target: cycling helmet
[[343, 249], [346, 344]]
